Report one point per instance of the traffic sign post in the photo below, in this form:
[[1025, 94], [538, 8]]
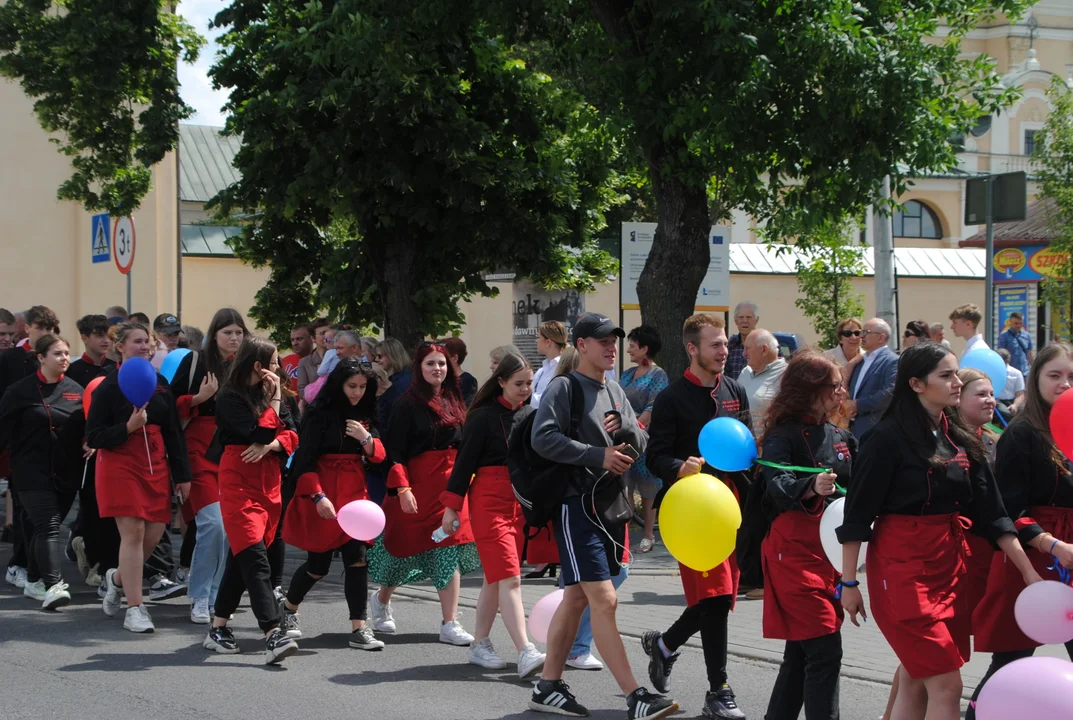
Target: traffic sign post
[[123, 235], [100, 247]]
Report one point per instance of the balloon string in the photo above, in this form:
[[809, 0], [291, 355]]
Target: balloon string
[[147, 455], [798, 468], [999, 416], [1064, 574], [85, 470]]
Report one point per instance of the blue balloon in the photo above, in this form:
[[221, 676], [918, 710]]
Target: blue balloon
[[170, 366], [991, 364], [727, 444], [137, 380]]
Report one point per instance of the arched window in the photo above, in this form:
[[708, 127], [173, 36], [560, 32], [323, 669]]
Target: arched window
[[917, 220]]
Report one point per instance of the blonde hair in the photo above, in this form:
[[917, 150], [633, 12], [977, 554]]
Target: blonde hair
[[568, 362], [502, 351], [554, 331], [693, 324], [121, 331]]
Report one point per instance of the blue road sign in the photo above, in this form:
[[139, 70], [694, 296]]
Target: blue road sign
[[101, 248]]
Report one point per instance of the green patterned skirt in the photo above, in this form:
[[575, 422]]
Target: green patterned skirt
[[438, 565]]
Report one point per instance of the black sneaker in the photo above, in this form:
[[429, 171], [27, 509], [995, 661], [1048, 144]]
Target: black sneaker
[[221, 640], [643, 705], [659, 667], [722, 705], [288, 622], [279, 646], [554, 696]]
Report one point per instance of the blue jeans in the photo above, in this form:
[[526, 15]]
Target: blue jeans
[[210, 554], [583, 641]]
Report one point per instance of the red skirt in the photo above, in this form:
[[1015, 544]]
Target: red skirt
[[205, 481], [342, 479], [916, 577], [250, 499], [799, 580], [125, 486], [993, 620], [407, 535], [496, 518], [720, 580], [978, 568]]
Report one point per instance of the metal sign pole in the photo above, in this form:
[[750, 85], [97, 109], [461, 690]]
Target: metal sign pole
[[130, 307], [989, 258]]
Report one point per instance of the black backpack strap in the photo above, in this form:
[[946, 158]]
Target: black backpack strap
[[577, 405]]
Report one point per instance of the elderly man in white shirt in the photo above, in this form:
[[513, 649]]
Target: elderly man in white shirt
[[762, 374]]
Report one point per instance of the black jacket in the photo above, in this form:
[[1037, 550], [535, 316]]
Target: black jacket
[[16, 364], [1028, 477], [41, 426], [82, 370], [803, 444]]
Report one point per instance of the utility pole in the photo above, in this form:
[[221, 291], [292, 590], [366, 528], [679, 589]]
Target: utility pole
[[883, 256]]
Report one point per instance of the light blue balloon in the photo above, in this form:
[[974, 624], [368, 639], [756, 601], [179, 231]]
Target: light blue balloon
[[991, 364], [170, 366], [727, 444]]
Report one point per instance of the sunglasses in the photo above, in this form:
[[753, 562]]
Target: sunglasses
[[908, 334], [850, 333]]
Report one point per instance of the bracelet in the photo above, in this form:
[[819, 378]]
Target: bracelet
[[403, 489], [368, 439], [1051, 551], [318, 497], [844, 584]]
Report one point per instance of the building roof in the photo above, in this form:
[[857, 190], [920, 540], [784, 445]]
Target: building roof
[[208, 240], [1036, 229], [206, 162], [962, 264]]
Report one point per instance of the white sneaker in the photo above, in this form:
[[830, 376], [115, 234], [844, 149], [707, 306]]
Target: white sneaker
[[16, 576], [56, 597], [585, 662], [199, 611], [113, 594], [137, 620], [35, 590], [530, 660], [383, 620], [483, 654], [453, 633], [93, 577]]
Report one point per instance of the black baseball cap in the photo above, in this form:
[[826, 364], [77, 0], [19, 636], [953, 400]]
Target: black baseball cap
[[167, 324], [592, 325]]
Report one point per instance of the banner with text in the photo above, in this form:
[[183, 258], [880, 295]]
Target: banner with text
[[714, 292], [534, 305]]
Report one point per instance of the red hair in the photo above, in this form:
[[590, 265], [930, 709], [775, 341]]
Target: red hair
[[448, 403], [807, 374]]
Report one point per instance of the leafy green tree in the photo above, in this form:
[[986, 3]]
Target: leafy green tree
[[102, 75], [793, 110], [397, 150], [826, 264], [1053, 156]]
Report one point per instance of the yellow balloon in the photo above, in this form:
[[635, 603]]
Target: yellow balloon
[[699, 521]]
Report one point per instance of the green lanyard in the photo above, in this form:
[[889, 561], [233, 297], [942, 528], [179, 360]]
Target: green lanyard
[[798, 468]]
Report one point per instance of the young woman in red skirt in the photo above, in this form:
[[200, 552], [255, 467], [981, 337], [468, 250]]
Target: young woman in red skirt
[[480, 474], [195, 385], [422, 440], [922, 477], [338, 438], [252, 429], [141, 455], [1037, 487], [800, 604]]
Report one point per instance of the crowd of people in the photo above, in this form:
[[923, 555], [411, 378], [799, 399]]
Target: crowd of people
[[250, 451]]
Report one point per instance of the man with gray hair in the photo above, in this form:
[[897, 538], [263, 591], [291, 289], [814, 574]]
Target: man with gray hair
[[936, 332], [872, 382], [762, 374], [746, 315]]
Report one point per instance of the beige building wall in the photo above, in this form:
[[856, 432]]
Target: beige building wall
[[218, 282]]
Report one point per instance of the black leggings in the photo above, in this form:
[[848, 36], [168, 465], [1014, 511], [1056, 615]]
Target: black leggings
[[43, 514], [277, 553], [709, 618], [998, 661], [186, 552], [355, 577], [100, 534], [249, 571], [808, 677]]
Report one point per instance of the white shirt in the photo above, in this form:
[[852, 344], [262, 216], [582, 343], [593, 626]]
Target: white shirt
[[869, 358], [838, 355], [1015, 383], [976, 342], [761, 387], [544, 375]]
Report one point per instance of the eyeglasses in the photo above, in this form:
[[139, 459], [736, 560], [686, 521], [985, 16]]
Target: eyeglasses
[[850, 333]]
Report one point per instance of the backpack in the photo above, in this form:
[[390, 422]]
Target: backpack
[[541, 484]]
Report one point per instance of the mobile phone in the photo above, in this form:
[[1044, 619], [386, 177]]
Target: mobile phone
[[631, 451]]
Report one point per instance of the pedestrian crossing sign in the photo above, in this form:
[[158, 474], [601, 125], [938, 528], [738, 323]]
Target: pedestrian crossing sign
[[100, 245]]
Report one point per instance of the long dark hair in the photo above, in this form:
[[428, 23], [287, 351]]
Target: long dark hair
[[448, 403], [491, 389], [1037, 411], [912, 418], [807, 374], [253, 351], [223, 317], [332, 398]]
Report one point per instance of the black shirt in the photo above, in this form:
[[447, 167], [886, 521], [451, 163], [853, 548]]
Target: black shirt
[[181, 385], [41, 425], [16, 364], [468, 385], [82, 370], [236, 424], [110, 410], [890, 478], [324, 433], [484, 444], [1028, 477], [415, 428], [804, 444]]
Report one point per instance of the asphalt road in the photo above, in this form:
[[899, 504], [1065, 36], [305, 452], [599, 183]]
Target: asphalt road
[[79, 662]]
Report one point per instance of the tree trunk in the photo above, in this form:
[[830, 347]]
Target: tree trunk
[[398, 284], [667, 288]]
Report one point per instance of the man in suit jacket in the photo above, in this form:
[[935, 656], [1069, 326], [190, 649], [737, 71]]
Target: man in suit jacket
[[872, 381]]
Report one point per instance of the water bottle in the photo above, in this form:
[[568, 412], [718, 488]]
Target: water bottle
[[439, 535]]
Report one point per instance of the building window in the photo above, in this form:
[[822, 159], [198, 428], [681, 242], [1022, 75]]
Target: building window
[[1030, 141], [917, 220]]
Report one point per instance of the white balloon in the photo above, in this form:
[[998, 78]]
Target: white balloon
[[831, 520]]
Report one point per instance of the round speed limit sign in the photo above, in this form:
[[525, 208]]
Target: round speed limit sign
[[123, 242]]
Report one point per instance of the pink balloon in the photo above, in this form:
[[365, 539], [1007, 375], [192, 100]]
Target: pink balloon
[[542, 613], [1044, 612], [1040, 688], [362, 520]]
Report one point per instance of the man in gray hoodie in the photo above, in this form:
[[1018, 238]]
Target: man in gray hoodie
[[608, 439]]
